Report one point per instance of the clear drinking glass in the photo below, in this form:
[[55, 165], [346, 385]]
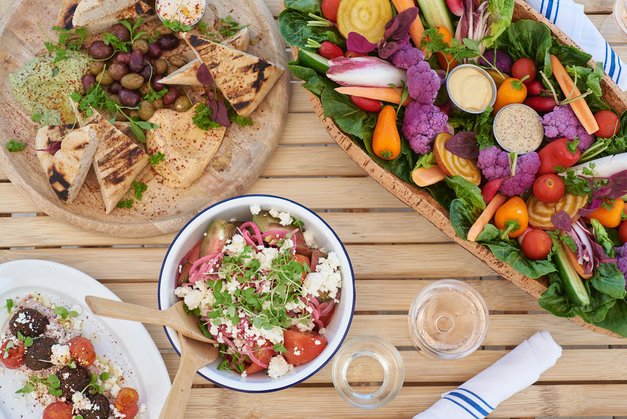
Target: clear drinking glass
[[620, 15], [448, 320], [368, 372]]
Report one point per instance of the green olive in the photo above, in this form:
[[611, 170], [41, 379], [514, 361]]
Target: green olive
[[177, 60], [146, 110], [163, 30], [142, 45], [104, 78], [158, 104], [160, 66], [144, 89], [132, 81], [172, 68], [96, 67], [182, 104]]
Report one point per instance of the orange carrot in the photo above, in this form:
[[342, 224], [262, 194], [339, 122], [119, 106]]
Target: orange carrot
[[579, 106], [416, 30], [446, 60], [485, 217], [425, 177], [385, 94], [573, 261], [386, 141]]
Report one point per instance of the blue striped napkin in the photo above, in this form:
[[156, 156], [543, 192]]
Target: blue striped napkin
[[570, 18], [479, 396]]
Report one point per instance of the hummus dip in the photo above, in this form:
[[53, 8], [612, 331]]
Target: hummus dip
[[471, 88]]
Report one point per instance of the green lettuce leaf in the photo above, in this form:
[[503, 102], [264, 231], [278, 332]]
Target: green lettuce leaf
[[528, 38], [467, 206], [293, 27], [304, 6], [608, 280], [615, 318], [501, 12], [601, 236], [511, 254]]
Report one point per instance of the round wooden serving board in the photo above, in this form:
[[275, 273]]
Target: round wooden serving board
[[425, 205], [237, 164]]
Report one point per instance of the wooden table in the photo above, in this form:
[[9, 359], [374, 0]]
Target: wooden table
[[395, 253]]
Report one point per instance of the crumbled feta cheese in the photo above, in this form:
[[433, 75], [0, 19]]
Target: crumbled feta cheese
[[236, 246], [304, 324], [198, 295], [285, 218], [81, 402], [60, 355], [255, 209], [322, 331], [265, 257], [274, 335], [326, 278], [278, 367], [288, 245], [244, 375], [310, 239]]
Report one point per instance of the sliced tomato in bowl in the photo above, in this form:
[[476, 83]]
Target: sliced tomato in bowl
[[263, 354], [302, 347]]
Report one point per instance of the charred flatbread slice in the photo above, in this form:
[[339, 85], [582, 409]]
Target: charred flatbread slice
[[186, 75], [65, 18], [117, 163], [91, 11], [67, 168], [187, 149], [243, 79]]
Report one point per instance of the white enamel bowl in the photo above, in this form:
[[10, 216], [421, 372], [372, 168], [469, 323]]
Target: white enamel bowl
[[239, 208]]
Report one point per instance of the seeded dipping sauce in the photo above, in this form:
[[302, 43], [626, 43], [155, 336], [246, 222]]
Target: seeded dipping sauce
[[518, 128]]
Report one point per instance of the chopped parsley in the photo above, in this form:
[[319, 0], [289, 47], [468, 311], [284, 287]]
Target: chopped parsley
[[37, 117], [156, 158], [153, 95], [138, 189], [15, 146], [227, 27], [176, 26], [125, 203], [67, 40], [118, 45], [203, 118], [242, 121]]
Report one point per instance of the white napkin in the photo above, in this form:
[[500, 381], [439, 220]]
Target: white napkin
[[570, 18], [517, 370]]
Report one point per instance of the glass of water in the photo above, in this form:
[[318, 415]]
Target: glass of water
[[448, 320]]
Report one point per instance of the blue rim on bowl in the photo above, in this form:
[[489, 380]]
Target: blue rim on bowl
[[170, 332]]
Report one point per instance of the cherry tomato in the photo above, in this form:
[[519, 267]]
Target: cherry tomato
[[329, 50], [622, 232], [608, 122], [535, 88], [12, 358], [525, 67], [302, 347], [353, 54], [82, 351], [130, 411], [365, 104], [126, 397], [549, 188], [58, 410], [263, 354], [536, 244], [329, 9]]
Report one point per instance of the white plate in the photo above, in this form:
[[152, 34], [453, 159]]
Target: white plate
[[128, 344]]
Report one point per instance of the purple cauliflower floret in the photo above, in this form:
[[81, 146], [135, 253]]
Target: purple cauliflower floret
[[562, 122], [502, 62], [621, 258], [423, 83], [423, 121], [407, 57], [494, 164]]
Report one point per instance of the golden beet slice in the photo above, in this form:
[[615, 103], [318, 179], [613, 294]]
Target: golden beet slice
[[453, 165], [540, 213]]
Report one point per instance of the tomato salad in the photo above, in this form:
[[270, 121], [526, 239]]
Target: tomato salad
[[263, 289], [43, 341]]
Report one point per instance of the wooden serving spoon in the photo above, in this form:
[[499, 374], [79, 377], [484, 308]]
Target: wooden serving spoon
[[194, 356], [174, 317]]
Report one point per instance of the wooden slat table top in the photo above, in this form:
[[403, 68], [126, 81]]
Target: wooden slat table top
[[395, 253]]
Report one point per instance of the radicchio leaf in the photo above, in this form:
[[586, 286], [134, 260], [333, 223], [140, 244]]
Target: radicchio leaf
[[398, 27], [464, 145], [52, 148], [594, 205], [358, 43], [220, 113], [387, 49], [562, 221], [204, 76], [617, 185]]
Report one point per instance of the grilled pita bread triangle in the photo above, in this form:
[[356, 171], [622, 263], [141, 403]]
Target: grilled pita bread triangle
[[91, 11], [67, 169], [243, 79]]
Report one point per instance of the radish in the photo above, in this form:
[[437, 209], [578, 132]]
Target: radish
[[605, 166]]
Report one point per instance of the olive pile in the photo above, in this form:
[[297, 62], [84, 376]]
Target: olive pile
[[129, 76]]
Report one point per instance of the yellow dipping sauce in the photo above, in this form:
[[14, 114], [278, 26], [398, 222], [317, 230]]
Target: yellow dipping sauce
[[470, 88]]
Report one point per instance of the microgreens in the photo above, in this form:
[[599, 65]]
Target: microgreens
[[176, 26], [26, 340], [203, 118], [67, 40], [8, 303], [15, 146], [51, 381], [10, 345], [64, 313], [227, 27]]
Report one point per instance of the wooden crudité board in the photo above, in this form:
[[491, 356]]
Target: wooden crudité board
[[395, 253], [428, 207], [237, 164]]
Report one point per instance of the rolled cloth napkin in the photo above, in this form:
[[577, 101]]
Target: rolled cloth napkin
[[570, 18], [517, 370]]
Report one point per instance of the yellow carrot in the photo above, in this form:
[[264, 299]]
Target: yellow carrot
[[426, 177], [385, 94], [579, 106], [485, 217], [416, 30]]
